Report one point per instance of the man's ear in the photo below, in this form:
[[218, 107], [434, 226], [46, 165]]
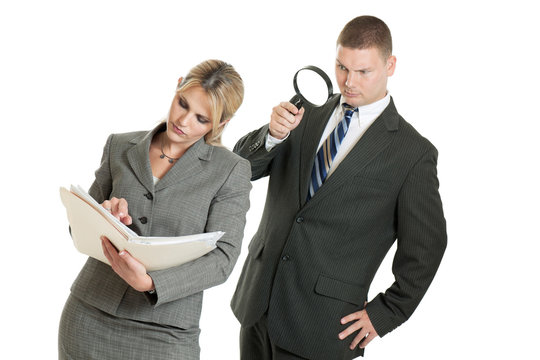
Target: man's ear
[[390, 65]]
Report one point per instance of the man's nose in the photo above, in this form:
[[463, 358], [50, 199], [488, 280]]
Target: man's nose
[[351, 80]]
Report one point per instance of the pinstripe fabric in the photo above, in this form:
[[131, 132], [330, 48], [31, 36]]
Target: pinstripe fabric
[[206, 190], [255, 344], [312, 262]]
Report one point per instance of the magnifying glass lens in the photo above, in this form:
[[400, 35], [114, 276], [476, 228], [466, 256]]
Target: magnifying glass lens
[[312, 87]]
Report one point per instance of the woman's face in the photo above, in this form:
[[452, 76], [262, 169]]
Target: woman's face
[[189, 117]]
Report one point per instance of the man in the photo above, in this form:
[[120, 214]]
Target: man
[[346, 180]]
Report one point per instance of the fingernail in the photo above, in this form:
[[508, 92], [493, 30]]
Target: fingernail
[[122, 253]]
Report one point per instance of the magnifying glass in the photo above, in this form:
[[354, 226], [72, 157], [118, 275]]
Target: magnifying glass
[[316, 87]]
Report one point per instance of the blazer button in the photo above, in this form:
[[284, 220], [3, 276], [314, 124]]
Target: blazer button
[[299, 219], [285, 258], [149, 196], [143, 219]]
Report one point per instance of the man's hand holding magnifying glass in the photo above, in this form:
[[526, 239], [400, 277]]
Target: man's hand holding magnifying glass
[[285, 118], [287, 115]]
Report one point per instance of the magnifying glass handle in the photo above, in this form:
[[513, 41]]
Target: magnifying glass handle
[[296, 101]]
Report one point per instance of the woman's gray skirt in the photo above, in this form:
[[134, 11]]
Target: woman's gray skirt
[[89, 333]]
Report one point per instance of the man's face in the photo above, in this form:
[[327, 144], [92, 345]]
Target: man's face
[[362, 74]]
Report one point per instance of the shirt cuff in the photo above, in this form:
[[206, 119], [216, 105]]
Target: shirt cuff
[[271, 141]]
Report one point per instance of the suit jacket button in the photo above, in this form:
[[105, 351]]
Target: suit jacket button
[[285, 258], [143, 219], [299, 219], [149, 196]]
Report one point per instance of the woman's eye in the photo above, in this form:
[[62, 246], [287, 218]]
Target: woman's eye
[[182, 103]]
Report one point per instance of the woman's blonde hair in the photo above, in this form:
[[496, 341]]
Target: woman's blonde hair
[[225, 90]]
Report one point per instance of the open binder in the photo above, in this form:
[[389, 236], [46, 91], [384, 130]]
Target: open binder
[[89, 221]]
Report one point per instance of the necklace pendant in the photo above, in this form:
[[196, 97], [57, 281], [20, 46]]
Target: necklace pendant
[[171, 161], [162, 156]]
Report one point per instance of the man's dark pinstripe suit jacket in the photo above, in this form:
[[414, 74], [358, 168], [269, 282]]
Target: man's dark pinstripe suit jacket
[[312, 262]]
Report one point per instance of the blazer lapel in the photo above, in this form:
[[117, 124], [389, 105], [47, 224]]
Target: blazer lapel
[[311, 137], [377, 137], [138, 158], [188, 165]]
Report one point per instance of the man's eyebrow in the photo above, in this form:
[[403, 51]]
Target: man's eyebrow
[[357, 70]]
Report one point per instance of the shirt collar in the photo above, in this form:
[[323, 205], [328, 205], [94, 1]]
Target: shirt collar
[[375, 108]]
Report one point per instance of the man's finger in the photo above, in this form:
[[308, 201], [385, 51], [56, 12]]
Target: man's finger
[[351, 317], [291, 108], [359, 338], [283, 117], [351, 329], [367, 339]]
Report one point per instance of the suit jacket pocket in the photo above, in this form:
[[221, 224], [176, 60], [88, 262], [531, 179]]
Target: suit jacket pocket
[[340, 290]]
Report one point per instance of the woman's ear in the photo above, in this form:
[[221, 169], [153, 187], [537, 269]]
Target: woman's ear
[[224, 122]]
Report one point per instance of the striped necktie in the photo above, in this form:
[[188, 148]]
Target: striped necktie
[[328, 150]]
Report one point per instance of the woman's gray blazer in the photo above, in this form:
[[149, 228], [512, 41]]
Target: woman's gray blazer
[[206, 190]]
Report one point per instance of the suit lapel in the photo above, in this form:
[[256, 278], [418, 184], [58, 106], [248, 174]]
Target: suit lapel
[[139, 160], [311, 137], [377, 137], [188, 165]]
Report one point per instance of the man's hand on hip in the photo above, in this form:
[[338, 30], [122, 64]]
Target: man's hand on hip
[[367, 331]]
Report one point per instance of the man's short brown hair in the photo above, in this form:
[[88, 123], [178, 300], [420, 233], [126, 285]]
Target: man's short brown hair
[[365, 32]]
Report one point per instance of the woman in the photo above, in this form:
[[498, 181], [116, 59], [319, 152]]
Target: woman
[[174, 180]]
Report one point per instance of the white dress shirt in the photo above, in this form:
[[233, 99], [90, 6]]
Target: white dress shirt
[[360, 122]]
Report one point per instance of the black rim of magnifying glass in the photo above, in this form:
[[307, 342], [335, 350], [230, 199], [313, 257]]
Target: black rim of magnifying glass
[[321, 74]]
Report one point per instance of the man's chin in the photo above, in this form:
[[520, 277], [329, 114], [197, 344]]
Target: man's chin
[[354, 101]]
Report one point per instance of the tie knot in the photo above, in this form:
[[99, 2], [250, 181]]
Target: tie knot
[[349, 110]]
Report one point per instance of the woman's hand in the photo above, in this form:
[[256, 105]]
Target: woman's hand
[[127, 267], [119, 208]]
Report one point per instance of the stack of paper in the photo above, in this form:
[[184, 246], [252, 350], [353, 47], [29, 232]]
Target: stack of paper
[[89, 221]]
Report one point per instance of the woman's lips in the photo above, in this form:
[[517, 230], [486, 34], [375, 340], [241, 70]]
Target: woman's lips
[[177, 130]]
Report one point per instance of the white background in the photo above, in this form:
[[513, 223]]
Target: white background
[[467, 78]]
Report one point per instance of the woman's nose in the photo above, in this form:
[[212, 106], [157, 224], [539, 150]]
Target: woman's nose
[[184, 119]]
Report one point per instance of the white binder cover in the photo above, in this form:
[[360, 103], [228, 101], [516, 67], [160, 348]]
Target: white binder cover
[[89, 221]]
